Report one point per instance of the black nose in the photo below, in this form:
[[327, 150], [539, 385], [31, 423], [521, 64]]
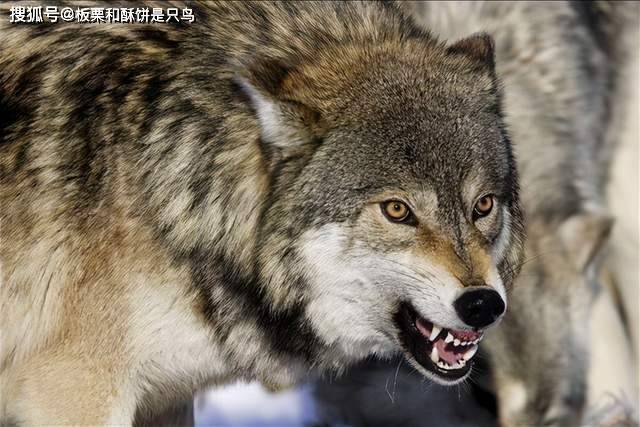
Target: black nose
[[479, 307]]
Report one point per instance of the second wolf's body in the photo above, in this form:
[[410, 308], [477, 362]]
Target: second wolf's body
[[275, 188]]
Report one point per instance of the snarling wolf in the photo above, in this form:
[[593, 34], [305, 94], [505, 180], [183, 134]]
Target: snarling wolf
[[272, 188], [565, 95]]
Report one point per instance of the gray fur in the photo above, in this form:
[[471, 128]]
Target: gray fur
[[559, 63], [159, 186]]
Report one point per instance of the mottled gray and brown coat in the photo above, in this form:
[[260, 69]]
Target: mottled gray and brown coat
[[191, 204], [570, 72]]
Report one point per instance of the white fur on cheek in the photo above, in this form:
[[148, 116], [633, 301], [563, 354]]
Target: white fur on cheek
[[355, 290], [345, 308]]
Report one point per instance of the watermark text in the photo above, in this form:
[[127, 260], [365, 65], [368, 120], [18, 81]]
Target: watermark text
[[100, 15]]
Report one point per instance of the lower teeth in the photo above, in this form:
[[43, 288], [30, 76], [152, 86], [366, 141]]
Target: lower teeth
[[460, 363], [446, 366]]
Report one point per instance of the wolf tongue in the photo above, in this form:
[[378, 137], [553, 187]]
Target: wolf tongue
[[448, 356]]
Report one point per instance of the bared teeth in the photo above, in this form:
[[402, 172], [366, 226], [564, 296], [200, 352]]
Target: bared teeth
[[435, 331], [470, 353], [434, 355], [458, 365], [458, 343]]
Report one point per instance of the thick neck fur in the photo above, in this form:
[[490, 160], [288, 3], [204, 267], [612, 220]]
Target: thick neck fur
[[153, 124], [224, 180]]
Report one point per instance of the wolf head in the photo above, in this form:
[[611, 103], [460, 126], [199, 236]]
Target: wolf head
[[540, 351], [394, 213]]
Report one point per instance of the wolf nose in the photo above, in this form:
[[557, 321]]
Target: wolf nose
[[479, 307]]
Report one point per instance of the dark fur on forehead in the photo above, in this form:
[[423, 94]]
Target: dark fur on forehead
[[410, 114], [422, 125]]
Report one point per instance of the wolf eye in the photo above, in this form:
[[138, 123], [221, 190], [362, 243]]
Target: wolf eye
[[483, 206], [396, 211]]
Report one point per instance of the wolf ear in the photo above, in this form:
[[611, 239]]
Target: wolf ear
[[284, 123], [479, 47], [584, 236]]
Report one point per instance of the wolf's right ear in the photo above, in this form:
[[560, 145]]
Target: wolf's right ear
[[478, 47], [284, 123]]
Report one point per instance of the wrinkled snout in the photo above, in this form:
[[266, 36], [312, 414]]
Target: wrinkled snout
[[479, 307]]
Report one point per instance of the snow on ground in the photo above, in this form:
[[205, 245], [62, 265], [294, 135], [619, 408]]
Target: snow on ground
[[251, 405]]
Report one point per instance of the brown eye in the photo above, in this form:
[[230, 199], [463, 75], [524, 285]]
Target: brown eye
[[483, 206], [396, 211]]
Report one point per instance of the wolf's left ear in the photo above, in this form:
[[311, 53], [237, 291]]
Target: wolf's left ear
[[584, 236], [285, 123], [479, 47]]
